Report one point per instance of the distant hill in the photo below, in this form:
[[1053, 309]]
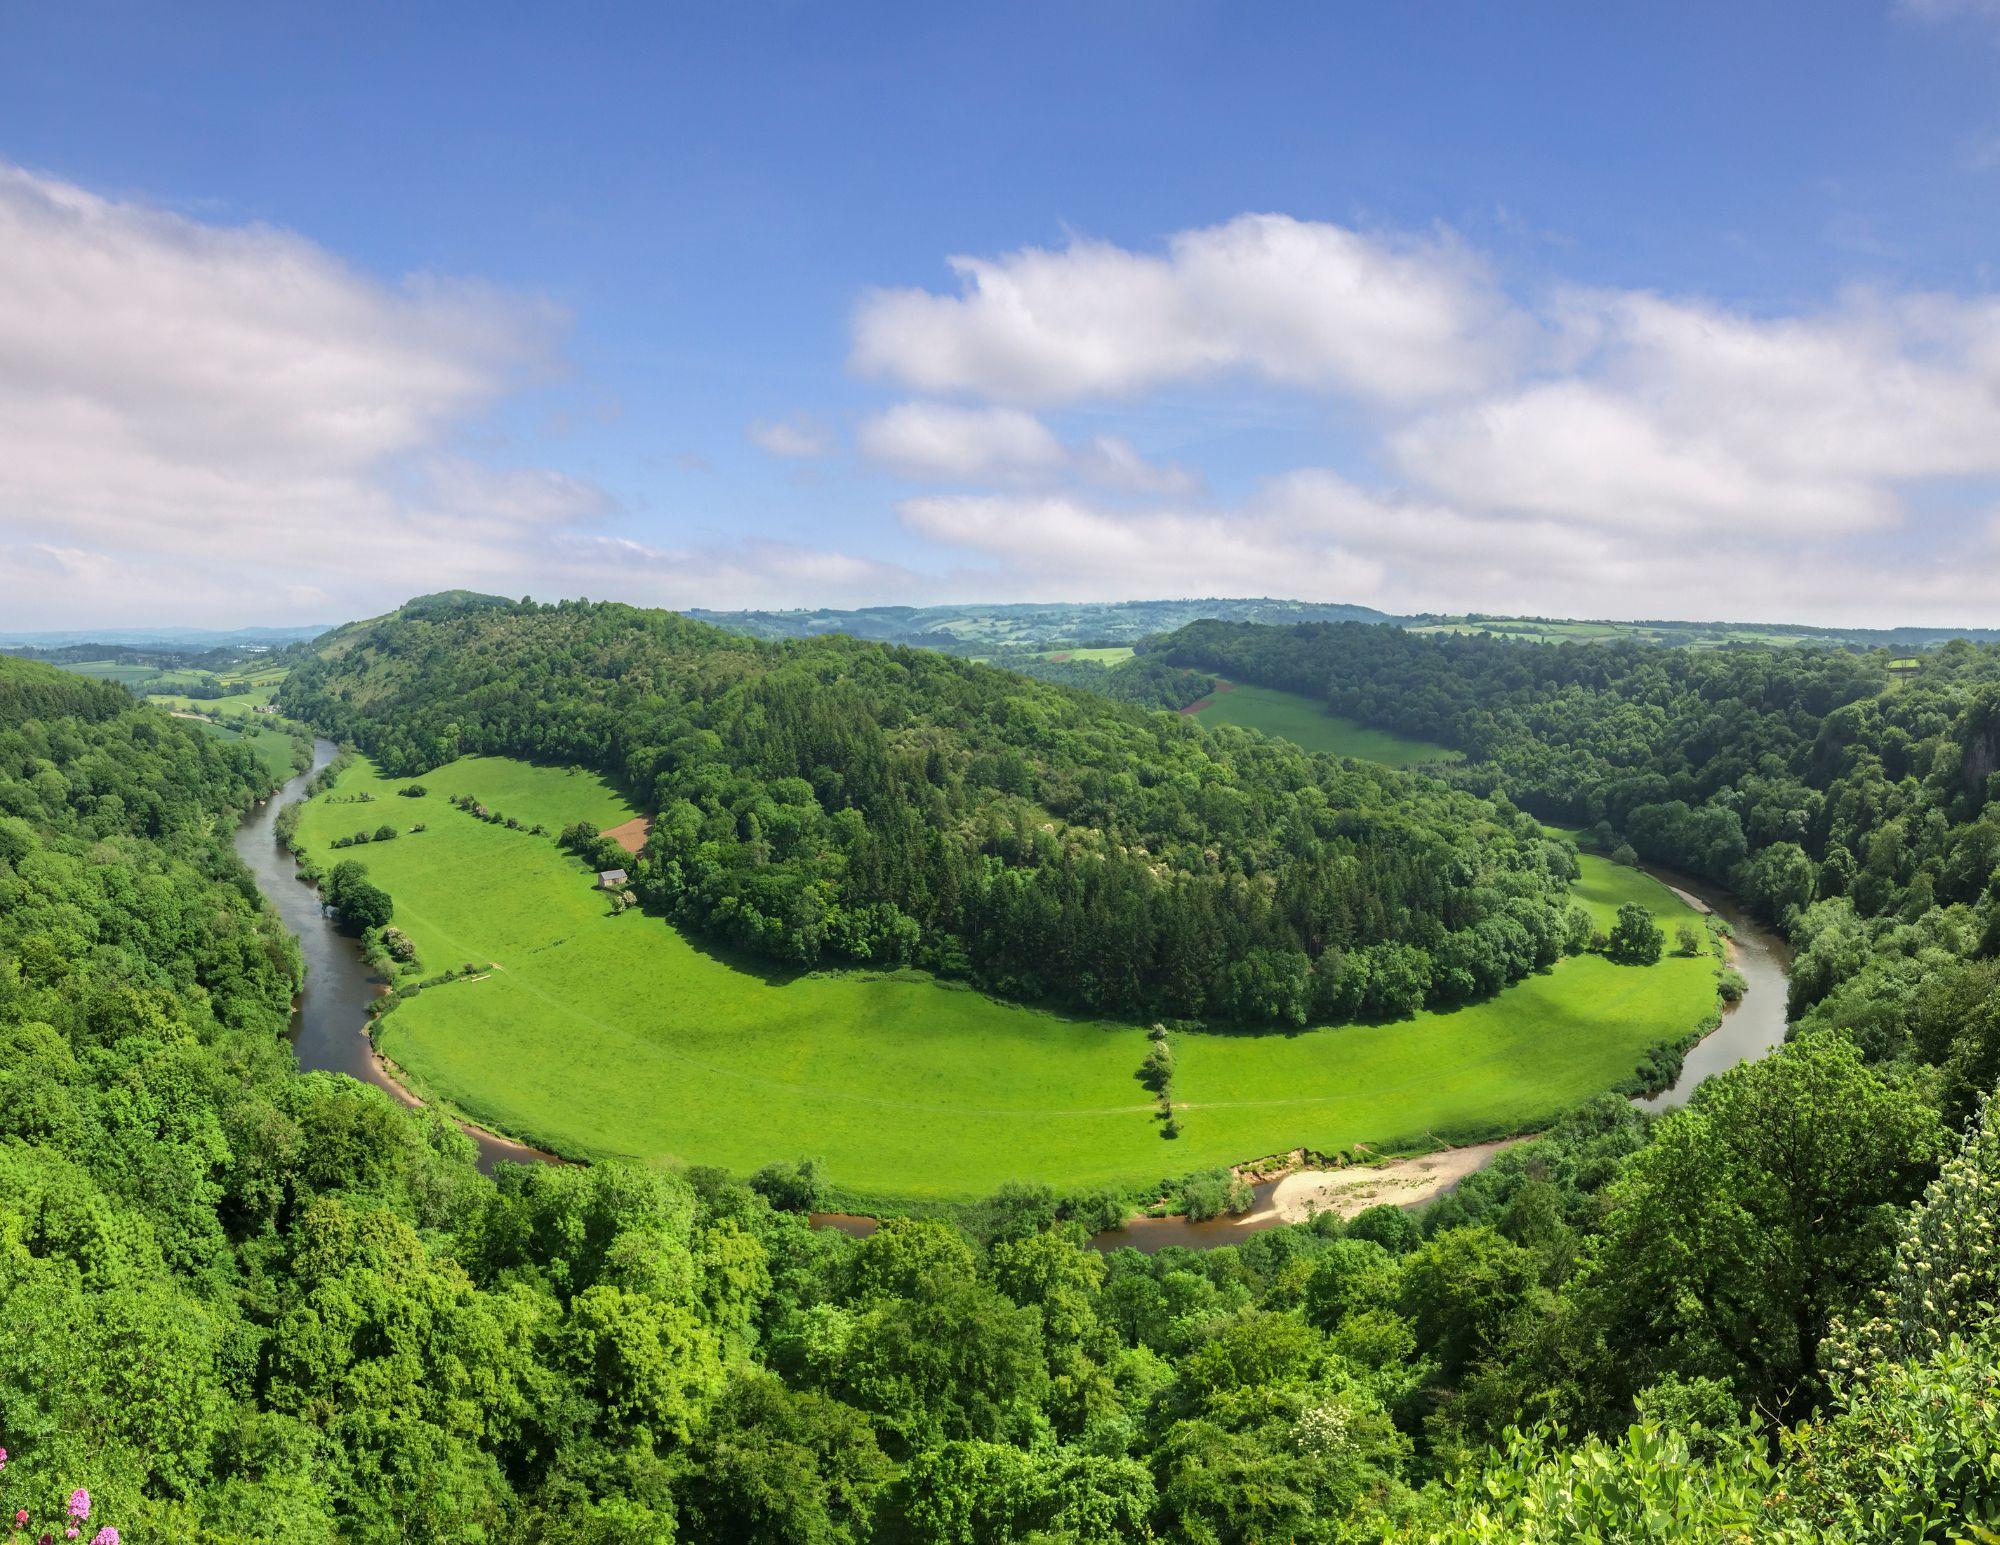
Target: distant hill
[[181, 640], [1692, 635], [999, 628]]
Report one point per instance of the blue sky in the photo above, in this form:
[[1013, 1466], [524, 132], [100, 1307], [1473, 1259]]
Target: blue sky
[[1671, 310]]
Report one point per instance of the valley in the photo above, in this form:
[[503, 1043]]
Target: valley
[[610, 1033]]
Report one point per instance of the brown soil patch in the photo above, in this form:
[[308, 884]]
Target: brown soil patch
[[631, 836]]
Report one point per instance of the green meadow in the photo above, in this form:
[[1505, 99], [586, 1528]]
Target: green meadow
[[1113, 654], [1490, 1068], [598, 1034], [243, 690], [273, 747], [1296, 718]]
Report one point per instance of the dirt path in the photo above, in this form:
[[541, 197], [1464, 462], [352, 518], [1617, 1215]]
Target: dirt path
[[1402, 1182]]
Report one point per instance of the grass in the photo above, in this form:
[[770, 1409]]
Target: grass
[[273, 747], [1290, 716], [1491, 1068], [112, 670], [245, 690], [1108, 655], [601, 1034]]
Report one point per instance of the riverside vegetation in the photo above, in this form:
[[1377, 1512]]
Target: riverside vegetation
[[240, 1302]]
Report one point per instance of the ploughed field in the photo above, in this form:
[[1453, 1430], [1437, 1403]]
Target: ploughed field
[[603, 1034], [1297, 718]]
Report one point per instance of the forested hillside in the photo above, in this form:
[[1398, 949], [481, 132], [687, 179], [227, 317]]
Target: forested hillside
[[832, 800]]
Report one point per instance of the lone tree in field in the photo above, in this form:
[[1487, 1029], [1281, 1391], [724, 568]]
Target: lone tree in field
[[1635, 938], [1687, 939]]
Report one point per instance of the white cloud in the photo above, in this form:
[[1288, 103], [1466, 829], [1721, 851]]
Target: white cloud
[[1300, 303], [184, 405], [798, 438], [1055, 545], [942, 443], [933, 441], [1679, 415], [201, 422], [1313, 535]]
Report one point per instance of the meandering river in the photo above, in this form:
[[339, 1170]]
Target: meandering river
[[329, 1022]]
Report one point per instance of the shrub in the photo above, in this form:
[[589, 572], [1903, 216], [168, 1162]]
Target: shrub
[[799, 1186]]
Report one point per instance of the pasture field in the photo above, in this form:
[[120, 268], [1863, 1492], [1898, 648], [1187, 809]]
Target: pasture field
[[1291, 716], [273, 747], [600, 1034], [120, 671], [244, 690], [1115, 654], [1488, 1069]]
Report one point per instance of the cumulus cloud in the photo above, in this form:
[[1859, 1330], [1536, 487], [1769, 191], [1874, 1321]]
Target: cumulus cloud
[[1301, 303], [755, 573], [1314, 535], [1588, 451], [180, 402], [798, 438], [942, 443], [1679, 415], [202, 422], [1057, 545]]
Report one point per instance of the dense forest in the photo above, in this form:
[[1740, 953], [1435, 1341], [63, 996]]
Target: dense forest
[[830, 800], [238, 1302]]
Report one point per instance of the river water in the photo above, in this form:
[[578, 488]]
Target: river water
[[329, 1022], [1755, 1026]]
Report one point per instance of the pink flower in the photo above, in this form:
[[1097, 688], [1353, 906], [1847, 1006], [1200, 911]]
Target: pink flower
[[105, 1536], [79, 1504], [21, 1516]]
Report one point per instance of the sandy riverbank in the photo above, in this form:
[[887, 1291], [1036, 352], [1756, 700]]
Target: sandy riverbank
[[1400, 1183]]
